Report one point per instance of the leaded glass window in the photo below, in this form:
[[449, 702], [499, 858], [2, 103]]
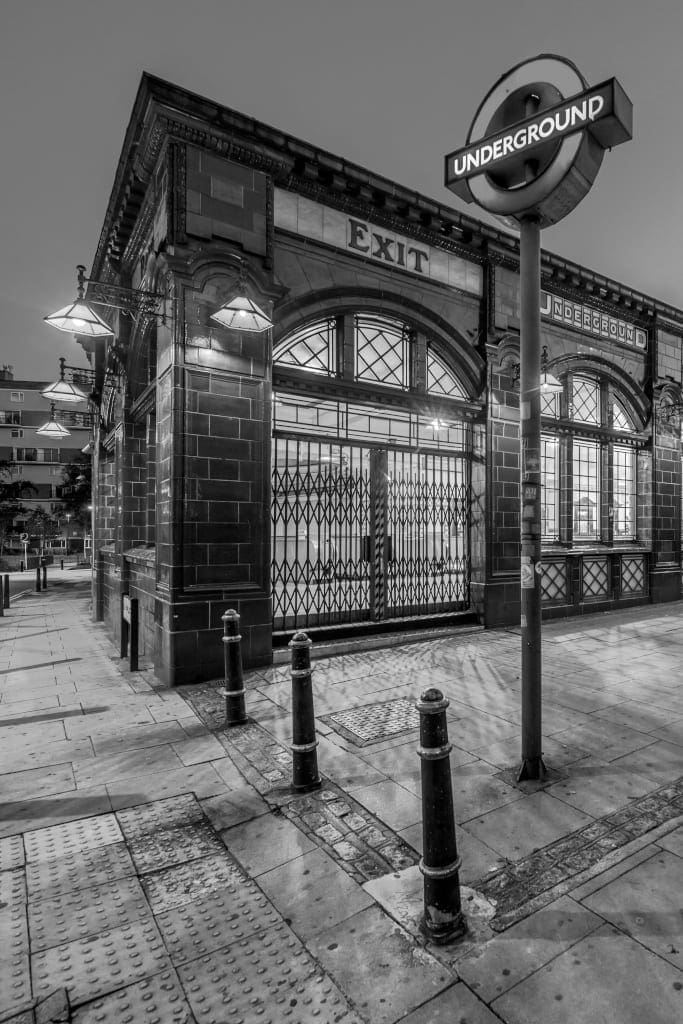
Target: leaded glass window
[[312, 348], [550, 488], [440, 379], [381, 352], [624, 492], [620, 420], [586, 400], [586, 496]]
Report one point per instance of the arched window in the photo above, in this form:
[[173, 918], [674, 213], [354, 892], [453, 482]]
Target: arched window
[[589, 473], [440, 378], [311, 348], [383, 349]]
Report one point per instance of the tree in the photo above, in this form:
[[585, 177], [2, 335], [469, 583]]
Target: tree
[[40, 524], [76, 490], [11, 506]]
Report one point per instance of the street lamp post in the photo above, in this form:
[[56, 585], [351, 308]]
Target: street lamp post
[[533, 151]]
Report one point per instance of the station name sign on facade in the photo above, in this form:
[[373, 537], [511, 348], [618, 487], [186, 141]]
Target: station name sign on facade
[[591, 321], [598, 110]]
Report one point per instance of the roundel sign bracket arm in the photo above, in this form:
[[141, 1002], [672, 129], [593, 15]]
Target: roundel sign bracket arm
[[533, 151]]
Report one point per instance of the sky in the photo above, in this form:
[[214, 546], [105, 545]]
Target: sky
[[390, 85]]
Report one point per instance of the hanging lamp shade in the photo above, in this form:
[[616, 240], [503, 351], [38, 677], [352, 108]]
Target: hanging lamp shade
[[62, 390], [52, 428], [78, 317], [550, 384], [241, 314]]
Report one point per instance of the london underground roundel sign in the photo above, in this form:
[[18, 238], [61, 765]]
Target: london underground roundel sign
[[537, 141]]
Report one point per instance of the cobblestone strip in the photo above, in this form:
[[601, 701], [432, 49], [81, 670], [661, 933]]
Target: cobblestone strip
[[359, 843], [516, 885]]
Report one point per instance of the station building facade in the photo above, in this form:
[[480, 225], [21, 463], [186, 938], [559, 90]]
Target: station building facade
[[357, 467]]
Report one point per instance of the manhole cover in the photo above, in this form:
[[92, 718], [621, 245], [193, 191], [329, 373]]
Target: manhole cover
[[375, 722]]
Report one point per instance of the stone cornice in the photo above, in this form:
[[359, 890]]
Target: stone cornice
[[163, 110]]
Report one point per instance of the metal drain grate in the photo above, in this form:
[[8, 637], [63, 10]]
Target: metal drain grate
[[375, 722]]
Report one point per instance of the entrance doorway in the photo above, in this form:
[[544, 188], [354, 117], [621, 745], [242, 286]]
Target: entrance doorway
[[367, 530]]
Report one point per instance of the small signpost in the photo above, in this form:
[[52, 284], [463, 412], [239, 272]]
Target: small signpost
[[129, 629], [533, 151]]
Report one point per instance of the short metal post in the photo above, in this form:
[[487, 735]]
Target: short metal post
[[37, 579], [440, 865], [61, 563], [44, 575], [5, 591], [21, 566], [235, 709], [134, 629], [304, 743]]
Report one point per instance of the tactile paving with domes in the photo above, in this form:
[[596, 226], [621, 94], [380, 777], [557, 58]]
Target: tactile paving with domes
[[15, 983], [11, 853], [218, 919], [72, 837], [152, 851], [184, 883], [101, 963], [156, 1000], [269, 978], [79, 914], [78, 870], [144, 819]]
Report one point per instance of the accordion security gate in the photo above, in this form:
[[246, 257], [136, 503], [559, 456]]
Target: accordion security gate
[[365, 533]]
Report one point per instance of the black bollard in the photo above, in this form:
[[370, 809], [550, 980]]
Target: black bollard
[[304, 756], [235, 710], [38, 579], [21, 566], [443, 917], [61, 563], [44, 576], [5, 591]]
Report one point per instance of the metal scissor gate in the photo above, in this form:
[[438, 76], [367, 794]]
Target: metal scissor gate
[[365, 532]]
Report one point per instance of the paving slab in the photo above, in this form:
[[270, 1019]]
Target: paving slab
[[457, 1005], [598, 789], [266, 842], [673, 842], [530, 823], [156, 1000], [19, 816], [659, 761], [201, 779], [391, 803], [370, 956], [646, 903], [508, 958], [476, 790], [260, 978], [234, 807], [100, 964], [313, 893], [605, 977], [82, 913]]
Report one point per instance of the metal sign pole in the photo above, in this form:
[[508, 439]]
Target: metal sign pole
[[530, 434]]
